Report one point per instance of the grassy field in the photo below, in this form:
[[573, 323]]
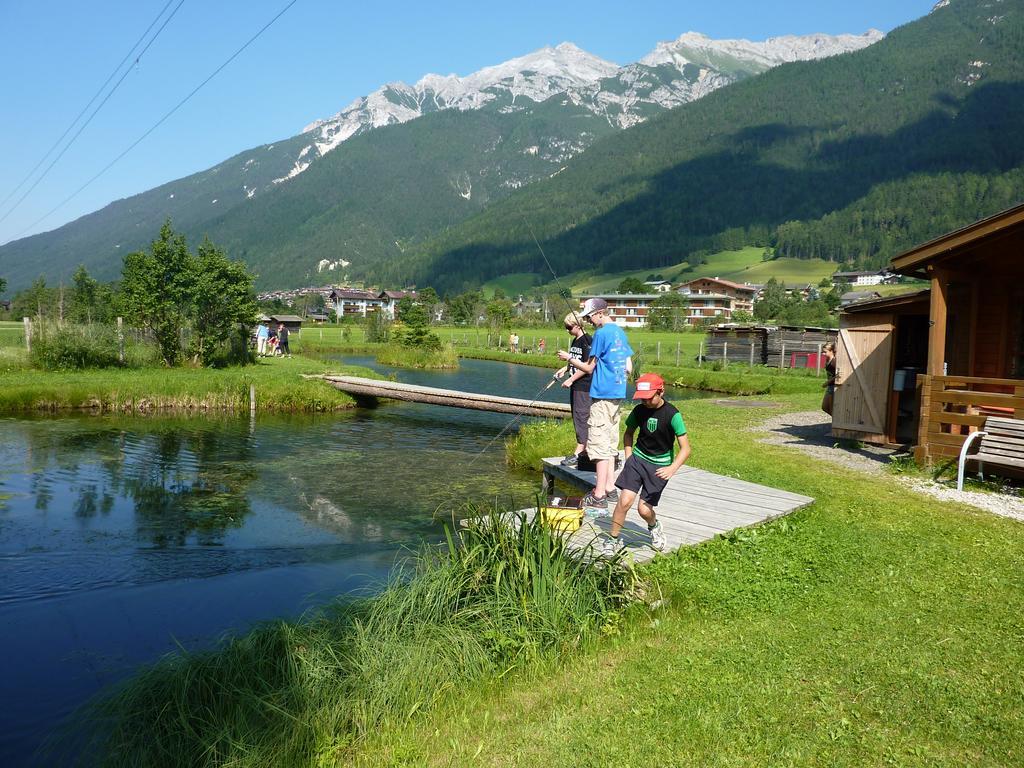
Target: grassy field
[[737, 379], [876, 627], [788, 271], [743, 265], [278, 382], [512, 284]]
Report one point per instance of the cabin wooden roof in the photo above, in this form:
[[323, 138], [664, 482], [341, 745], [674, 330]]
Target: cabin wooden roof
[[916, 259]]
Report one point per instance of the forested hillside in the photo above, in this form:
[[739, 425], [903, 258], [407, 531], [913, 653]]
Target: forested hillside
[[851, 158]]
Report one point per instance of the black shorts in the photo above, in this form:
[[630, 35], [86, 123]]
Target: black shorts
[[579, 400], [638, 475]]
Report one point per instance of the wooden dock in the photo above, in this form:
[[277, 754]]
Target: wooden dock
[[393, 390], [696, 506]]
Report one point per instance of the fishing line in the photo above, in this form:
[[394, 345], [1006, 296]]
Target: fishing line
[[574, 311]]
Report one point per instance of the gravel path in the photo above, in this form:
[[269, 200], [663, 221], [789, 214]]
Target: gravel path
[[810, 433]]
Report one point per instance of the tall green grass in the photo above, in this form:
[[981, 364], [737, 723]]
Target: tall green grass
[[505, 595], [418, 357], [278, 382]]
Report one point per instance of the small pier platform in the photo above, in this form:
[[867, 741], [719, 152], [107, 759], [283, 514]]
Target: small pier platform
[[696, 506], [393, 390]]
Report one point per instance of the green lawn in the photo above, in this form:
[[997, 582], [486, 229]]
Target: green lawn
[[11, 334], [278, 382], [875, 628]]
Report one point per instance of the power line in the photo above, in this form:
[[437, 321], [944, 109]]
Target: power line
[[159, 122], [95, 111]]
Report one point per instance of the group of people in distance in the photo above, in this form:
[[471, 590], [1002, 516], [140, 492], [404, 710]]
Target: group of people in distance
[[655, 442], [272, 341]]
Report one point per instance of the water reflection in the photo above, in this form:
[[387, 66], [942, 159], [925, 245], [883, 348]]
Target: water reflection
[[184, 479]]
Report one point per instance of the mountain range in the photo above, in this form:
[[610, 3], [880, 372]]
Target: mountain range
[[366, 187], [852, 158]]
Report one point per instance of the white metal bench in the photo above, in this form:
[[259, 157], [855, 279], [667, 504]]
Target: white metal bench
[[1002, 445]]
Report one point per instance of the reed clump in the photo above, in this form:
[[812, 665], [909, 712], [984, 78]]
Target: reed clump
[[440, 357], [503, 595]]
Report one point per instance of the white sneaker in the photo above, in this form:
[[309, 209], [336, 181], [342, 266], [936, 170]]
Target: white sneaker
[[658, 541], [611, 547]]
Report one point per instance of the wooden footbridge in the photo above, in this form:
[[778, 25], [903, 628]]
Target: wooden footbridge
[[696, 506], [393, 390]]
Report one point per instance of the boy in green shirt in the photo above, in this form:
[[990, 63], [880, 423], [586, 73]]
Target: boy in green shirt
[[650, 464]]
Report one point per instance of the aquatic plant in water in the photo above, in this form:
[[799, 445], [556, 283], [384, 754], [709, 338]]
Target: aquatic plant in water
[[501, 594]]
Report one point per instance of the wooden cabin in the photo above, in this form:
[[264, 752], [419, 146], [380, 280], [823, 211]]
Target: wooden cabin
[[787, 346], [928, 368], [292, 322]]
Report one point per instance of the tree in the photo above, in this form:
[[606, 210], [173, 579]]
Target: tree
[[36, 301], [431, 302], [168, 291], [224, 306], [668, 312], [156, 290], [3, 285], [499, 313], [632, 285], [91, 301], [773, 300], [466, 307]]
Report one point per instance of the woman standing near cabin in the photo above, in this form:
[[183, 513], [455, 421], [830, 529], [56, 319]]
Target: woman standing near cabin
[[829, 351]]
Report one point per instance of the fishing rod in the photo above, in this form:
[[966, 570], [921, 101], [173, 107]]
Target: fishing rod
[[574, 311]]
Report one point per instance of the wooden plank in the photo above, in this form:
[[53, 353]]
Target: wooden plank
[[954, 441], [1005, 461], [965, 419], [724, 481], [960, 397], [731, 502], [937, 322], [996, 450], [446, 397], [997, 425], [1011, 441]]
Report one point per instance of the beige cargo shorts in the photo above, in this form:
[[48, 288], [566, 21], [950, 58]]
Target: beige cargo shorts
[[603, 429]]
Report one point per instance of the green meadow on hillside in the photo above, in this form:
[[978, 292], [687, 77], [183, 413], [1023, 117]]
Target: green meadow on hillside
[[743, 265]]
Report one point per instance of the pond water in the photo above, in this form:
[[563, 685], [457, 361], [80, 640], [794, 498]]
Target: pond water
[[123, 538]]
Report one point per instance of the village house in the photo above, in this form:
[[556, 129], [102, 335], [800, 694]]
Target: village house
[[711, 297], [352, 302], [389, 300], [859, 278], [929, 367], [658, 286], [629, 310]]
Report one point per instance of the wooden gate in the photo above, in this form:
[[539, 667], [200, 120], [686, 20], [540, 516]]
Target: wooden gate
[[863, 374]]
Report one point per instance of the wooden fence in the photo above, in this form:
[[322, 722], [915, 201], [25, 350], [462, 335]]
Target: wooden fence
[[954, 406]]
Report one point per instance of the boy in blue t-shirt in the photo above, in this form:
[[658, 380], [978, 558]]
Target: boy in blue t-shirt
[[610, 364]]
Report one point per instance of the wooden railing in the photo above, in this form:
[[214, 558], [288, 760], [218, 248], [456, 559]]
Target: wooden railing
[[954, 406]]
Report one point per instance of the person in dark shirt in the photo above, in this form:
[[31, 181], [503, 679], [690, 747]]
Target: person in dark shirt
[[650, 464], [578, 385], [282, 340], [829, 353]]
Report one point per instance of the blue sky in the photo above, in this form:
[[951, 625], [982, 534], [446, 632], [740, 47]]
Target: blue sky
[[317, 58]]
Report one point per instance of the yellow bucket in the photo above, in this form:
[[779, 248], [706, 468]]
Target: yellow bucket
[[562, 515]]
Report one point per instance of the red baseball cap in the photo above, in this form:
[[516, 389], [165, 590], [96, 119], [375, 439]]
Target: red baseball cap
[[647, 385]]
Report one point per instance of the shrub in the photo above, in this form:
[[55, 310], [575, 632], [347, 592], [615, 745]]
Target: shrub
[[73, 348]]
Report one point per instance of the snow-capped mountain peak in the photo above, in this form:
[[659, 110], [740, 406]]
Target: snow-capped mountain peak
[[695, 48], [673, 73]]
